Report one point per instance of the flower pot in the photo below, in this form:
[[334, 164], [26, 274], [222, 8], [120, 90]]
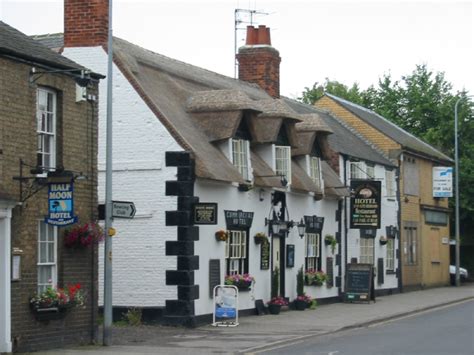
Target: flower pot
[[383, 242], [274, 308], [243, 288], [300, 305], [259, 240]]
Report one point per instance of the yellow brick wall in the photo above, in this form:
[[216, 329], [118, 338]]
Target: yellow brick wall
[[432, 266]]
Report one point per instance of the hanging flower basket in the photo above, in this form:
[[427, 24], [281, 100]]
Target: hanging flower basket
[[260, 238], [221, 235], [383, 240], [83, 236]]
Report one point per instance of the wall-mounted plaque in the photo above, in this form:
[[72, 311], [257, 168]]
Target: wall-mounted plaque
[[329, 272], [205, 213], [214, 275], [265, 256]]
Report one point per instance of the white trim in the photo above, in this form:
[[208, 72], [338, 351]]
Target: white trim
[[5, 276]]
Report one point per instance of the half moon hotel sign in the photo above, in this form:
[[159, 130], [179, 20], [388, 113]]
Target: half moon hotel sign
[[61, 204]]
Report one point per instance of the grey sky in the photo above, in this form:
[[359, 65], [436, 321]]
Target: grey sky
[[348, 41]]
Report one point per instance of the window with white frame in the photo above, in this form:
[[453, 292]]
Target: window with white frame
[[312, 241], [240, 157], [236, 252], [357, 170], [315, 171], [283, 161], [390, 259], [47, 256], [46, 127], [390, 183], [367, 238]]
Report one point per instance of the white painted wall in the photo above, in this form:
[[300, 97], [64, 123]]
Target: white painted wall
[[389, 210], [139, 174]]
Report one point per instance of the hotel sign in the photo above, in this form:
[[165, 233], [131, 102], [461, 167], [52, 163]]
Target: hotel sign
[[60, 204], [238, 219], [365, 204]]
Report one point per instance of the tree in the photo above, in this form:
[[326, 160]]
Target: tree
[[422, 103]]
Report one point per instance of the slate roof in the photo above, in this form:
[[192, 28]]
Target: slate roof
[[180, 94], [16, 44], [407, 140], [343, 140]]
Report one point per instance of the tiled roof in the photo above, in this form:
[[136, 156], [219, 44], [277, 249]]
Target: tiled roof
[[19, 45], [343, 140], [407, 140]]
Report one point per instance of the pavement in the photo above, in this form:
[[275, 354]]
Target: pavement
[[256, 333]]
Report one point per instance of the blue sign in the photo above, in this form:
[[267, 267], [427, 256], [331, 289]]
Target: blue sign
[[225, 312], [60, 204]]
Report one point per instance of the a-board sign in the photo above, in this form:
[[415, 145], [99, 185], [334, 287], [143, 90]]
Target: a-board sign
[[226, 306], [359, 278], [205, 213], [214, 274], [264, 256]]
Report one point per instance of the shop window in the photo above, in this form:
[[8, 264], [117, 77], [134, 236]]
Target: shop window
[[236, 252], [367, 250], [390, 259], [312, 251], [46, 128], [283, 162], [315, 170], [240, 157], [47, 256], [436, 217]]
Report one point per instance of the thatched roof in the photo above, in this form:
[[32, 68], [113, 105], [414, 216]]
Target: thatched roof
[[333, 187], [312, 122], [220, 100]]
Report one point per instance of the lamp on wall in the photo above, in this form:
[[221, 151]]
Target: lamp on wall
[[81, 76], [301, 228]]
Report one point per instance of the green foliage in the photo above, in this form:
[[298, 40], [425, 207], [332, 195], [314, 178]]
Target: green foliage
[[313, 304], [300, 282], [422, 103], [133, 316], [275, 282]]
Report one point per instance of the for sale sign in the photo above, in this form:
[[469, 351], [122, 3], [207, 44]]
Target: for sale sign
[[442, 181]]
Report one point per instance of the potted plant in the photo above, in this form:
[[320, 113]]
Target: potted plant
[[330, 241], [221, 235], [315, 277], [383, 240], [53, 302], [242, 282], [303, 301], [260, 238], [83, 236], [300, 301], [274, 305]]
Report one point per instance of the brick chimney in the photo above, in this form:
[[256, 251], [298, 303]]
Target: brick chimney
[[86, 23], [259, 62]]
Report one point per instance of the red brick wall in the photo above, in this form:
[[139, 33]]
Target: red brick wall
[[85, 23], [261, 65]]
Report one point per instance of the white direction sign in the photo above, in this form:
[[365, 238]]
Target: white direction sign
[[123, 209]]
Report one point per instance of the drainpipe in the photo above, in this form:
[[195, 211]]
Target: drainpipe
[[345, 216], [399, 219]]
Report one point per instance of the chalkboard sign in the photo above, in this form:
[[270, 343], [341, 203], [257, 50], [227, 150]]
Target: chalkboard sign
[[214, 275], [329, 272], [290, 255], [359, 279], [265, 256]]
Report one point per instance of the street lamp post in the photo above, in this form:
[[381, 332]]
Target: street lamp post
[[456, 188]]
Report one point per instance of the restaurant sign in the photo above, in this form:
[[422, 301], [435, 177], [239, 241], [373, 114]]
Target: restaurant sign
[[60, 204], [238, 219], [365, 204]]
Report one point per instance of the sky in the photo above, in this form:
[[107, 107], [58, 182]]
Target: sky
[[344, 40]]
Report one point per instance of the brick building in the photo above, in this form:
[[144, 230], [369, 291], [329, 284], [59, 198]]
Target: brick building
[[48, 132], [424, 222]]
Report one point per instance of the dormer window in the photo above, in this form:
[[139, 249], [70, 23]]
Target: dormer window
[[240, 157], [283, 162]]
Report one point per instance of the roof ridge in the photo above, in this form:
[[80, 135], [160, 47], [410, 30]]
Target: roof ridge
[[350, 103]]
